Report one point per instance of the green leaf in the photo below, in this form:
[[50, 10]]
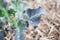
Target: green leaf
[[1, 13], [4, 13], [11, 11], [20, 25]]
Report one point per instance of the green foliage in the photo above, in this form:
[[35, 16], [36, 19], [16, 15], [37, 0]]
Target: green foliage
[[1, 13], [11, 11], [4, 13], [20, 24], [19, 6]]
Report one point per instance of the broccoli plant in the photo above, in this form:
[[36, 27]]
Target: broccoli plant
[[14, 12], [9, 11]]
